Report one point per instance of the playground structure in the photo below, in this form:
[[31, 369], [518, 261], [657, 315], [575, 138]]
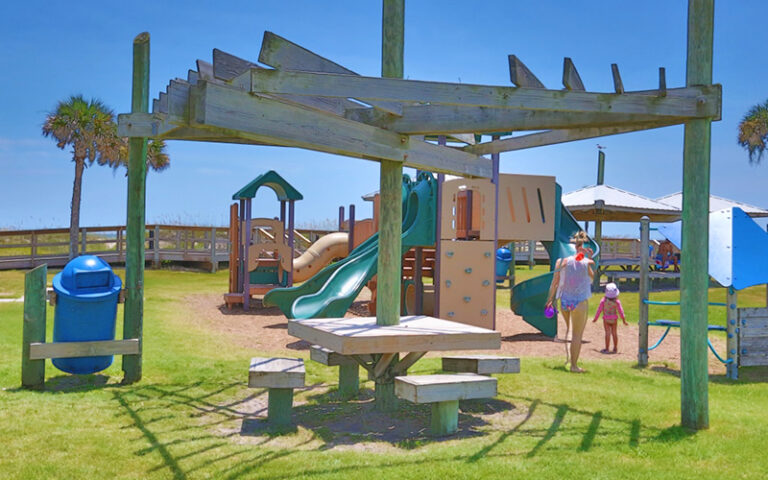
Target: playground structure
[[737, 260], [304, 102], [263, 252]]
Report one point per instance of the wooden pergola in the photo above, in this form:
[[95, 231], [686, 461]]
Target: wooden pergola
[[304, 101]]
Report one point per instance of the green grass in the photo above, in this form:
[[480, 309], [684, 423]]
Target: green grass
[[183, 420]]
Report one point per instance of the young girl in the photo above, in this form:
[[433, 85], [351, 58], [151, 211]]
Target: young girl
[[610, 306]]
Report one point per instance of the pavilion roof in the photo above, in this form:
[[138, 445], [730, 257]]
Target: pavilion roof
[[607, 203]]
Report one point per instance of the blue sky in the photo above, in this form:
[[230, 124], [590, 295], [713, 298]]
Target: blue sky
[[55, 49]]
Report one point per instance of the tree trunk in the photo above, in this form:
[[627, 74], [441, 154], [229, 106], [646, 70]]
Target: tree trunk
[[74, 219]]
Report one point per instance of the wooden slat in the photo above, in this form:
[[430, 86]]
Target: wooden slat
[[692, 102], [553, 137], [227, 67], [571, 77], [282, 54], [83, 349], [352, 336], [481, 364], [332, 359], [662, 82], [276, 373], [267, 120], [618, 85], [521, 76], [205, 70], [441, 388]]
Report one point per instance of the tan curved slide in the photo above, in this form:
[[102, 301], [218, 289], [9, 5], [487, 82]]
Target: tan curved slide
[[320, 254]]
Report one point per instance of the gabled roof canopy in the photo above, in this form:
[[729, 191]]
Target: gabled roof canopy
[[606, 203], [273, 180]]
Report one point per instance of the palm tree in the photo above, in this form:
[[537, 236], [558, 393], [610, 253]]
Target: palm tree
[[89, 127], [753, 132]]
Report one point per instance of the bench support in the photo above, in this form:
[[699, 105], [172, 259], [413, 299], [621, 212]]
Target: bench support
[[349, 380], [445, 418], [280, 405]]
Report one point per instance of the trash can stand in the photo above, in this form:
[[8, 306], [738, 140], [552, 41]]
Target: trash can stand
[[34, 347]]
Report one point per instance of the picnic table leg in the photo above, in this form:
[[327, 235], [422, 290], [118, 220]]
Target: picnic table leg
[[349, 380], [445, 418]]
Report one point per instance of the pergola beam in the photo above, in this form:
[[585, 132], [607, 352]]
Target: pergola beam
[[269, 121], [690, 102], [553, 137]]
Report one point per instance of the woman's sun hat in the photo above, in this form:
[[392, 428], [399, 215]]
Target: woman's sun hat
[[611, 290]]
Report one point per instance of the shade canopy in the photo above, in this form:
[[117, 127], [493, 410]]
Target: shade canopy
[[715, 203], [611, 204], [273, 180], [738, 248]]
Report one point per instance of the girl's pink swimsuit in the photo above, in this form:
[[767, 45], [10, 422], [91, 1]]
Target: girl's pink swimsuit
[[611, 313]]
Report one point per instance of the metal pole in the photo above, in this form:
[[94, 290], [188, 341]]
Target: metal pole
[[246, 252], [495, 161], [133, 319], [732, 343], [351, 229], [291, 238], [642, 323], [694, 278], [341, 218]]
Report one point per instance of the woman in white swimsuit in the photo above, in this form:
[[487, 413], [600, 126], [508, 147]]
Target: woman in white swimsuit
[[572, 283]]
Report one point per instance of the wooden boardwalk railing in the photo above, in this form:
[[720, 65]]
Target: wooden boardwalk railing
[[22, 249]]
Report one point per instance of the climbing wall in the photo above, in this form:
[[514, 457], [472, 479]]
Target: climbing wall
[[467, 266]]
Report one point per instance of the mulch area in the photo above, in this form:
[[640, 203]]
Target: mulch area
[[265, 329]]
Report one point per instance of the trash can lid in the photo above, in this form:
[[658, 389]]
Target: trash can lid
[[86, 276], [504, 253]]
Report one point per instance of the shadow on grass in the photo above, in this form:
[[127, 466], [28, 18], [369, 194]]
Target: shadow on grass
[[527, 337], [255, 308], [71, 384]]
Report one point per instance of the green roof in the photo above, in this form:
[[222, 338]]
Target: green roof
[[273, 180]]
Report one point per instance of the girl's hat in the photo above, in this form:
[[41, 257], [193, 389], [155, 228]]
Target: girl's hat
[[611, 290]]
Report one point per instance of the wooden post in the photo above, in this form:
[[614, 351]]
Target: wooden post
[[349, 380], [156, 247], [418, 284], [33, 251], [241, 248], [694, 278], [279, 405], [390, 206], [512, 248], [445, 418], [214, 263], [732, 343], [436, 273], [531, 254], [135, 226], [33, 371], [83, 241], [598, 221], [642, 323], [351, 229]]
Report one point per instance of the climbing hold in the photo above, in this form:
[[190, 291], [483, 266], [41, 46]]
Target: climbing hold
[[483, 312], [467, 299], [447, 283], [449, 254], [468, 270], [486, 283]]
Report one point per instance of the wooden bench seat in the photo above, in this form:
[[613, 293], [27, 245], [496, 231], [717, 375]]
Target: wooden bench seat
[[280, 376], [481, 364], [349, 369], [444, 392]]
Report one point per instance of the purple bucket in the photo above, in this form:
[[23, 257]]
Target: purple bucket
[[550, 311]]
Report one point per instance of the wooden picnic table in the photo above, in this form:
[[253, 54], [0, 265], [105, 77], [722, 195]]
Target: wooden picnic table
[[415, 335]]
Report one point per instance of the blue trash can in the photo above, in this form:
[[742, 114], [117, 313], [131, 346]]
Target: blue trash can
[[503, 259], [86, 307]]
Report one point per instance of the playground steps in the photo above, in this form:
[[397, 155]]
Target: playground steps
[[444, 392], [481, 364], [280, 376]]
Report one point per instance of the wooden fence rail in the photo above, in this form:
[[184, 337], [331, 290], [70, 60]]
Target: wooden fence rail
[[23, 249]]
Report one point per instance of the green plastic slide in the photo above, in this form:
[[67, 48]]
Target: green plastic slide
[[331, 292], [529, 297]]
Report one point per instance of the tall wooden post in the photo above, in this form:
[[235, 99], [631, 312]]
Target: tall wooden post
[[732, 343], [694, 278], [133, 321], [291, 237], [390, 206], [642, 323], [33, 331]]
